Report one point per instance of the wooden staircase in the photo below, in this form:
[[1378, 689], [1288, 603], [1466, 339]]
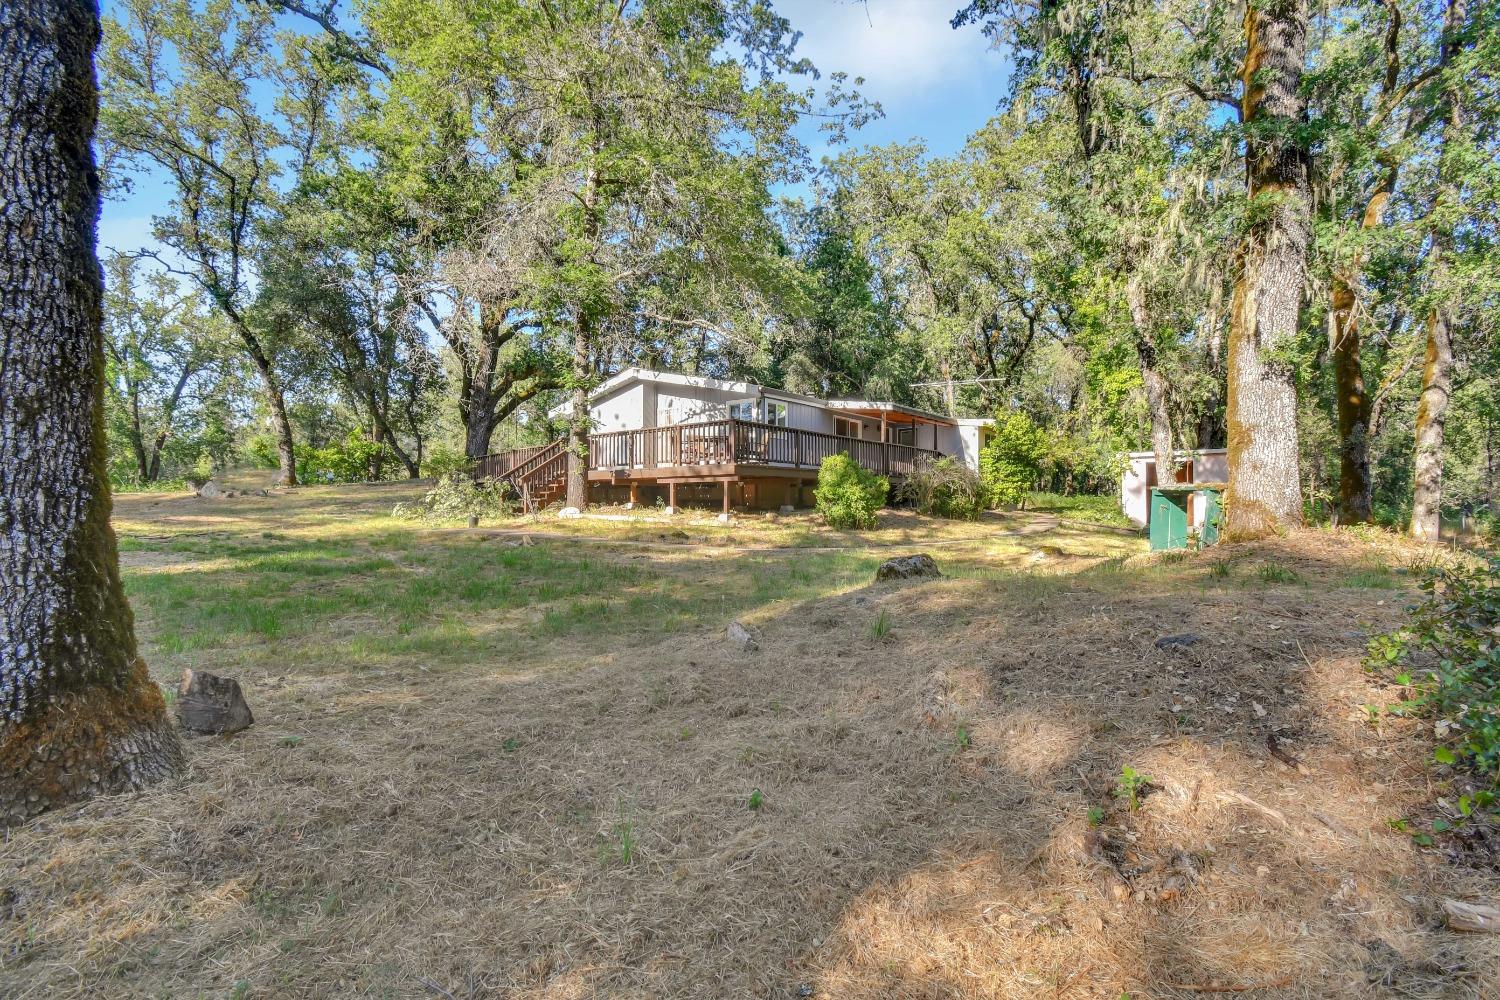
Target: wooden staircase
[[538, 475]]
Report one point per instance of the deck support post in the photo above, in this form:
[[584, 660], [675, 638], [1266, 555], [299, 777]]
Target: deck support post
[[724, 516], [635, 495], [671, 498]]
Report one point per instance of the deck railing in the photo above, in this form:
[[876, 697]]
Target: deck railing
[[503, 463], [731, 442]]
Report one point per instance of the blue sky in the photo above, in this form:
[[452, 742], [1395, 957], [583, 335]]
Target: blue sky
[[934, 83]]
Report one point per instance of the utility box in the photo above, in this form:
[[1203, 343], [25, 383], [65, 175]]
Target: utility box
[[1184, 516]]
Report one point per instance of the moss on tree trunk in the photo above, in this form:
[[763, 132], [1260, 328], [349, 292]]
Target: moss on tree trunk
[[78, 713], [1264, 491]]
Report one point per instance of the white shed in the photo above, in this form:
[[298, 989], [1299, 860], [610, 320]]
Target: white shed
[[1203, 465]]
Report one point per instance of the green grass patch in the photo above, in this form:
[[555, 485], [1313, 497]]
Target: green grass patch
[[1093, 509]]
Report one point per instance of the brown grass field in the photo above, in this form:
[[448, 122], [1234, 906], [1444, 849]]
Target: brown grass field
[[484, 767]]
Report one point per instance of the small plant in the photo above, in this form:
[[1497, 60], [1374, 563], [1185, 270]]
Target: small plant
[[510, 744], [849, 495], [962, 739], [290, 741], [1096, 816], [944, 488], [623, 844], [756, 799], [1448, 658], [881, 626], [1129, 784], [1272, 573], [1219, 569]]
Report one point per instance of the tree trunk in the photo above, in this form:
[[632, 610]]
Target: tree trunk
[[1432, 415], [1155, 382], [286, 452], [1353, 402], [578, 421], [1437, 367], [79, 715], [1264, 493]]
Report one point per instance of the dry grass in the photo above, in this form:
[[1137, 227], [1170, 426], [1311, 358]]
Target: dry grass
[[524, 812]]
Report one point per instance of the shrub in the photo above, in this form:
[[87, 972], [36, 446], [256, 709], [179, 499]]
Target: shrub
[[848, 495], [944, 488], [1449, 655], [460, 496], [443, 462], [1010, 464], [346, 461]]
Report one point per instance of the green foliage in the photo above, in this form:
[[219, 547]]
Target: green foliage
[[1011, 463], [457, 497], [944, 488], [880, 628], [848, 495], [1129, 784], [756, 799], [1448, 654], [444, 462], [1092, 508], [351, 460]]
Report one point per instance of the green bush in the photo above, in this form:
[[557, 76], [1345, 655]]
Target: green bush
[[1448, 654], [346, 461], [944, 488], [443, 462], [458, 496], [1011, 463], [848, 495]]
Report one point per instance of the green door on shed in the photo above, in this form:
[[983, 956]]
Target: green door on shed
[[1169, 519], [1212, 516]]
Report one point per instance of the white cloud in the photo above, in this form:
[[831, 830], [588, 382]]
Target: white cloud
[[904, 49]]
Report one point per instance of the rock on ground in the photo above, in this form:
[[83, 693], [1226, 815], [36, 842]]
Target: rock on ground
[[742, 637], [210, 491], [906, 567], [208, 703], [1181, 639]]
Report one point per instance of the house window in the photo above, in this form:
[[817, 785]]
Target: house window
[[775, 413], [744, 409], [846, 428], [903, 435]]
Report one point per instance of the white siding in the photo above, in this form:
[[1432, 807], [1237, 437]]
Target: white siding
[[806, 417], [622, 410], [690, 404]]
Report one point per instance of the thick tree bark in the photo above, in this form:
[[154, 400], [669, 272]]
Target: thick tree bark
[[1352, 401], [79, 714], [1154, 380], [1437, 367], [1264, 493]]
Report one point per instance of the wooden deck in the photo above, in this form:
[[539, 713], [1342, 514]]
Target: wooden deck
[[737, 449], [737, 454]]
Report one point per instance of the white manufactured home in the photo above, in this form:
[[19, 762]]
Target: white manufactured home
[[671, 436]]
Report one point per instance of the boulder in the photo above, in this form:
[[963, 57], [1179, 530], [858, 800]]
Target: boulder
[[208, 703], [742, 637], [906, 567], [210, 491], [570, 512]]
